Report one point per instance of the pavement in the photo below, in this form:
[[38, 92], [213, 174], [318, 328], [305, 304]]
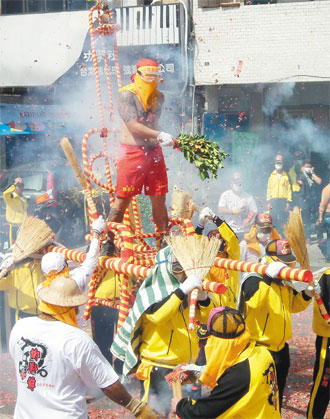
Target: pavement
[[296, 394]]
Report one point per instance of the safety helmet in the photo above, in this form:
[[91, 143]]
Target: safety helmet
[[52, 263]]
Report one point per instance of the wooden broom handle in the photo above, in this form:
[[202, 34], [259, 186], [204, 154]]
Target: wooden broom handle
[[4, 272], [177, 393], [177, 389], [72, 157]]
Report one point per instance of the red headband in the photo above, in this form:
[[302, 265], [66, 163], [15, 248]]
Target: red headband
[[146, 62]]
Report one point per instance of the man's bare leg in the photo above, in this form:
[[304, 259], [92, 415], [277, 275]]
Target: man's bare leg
[[118, 210], [159, 211]]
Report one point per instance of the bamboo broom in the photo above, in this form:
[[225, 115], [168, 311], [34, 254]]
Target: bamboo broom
[[295, 233], [33, 235], [72, 157], [182, 205], [196, 254]]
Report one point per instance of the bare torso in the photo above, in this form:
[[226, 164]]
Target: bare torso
[[130, 109]]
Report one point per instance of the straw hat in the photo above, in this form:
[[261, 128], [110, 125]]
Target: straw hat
[[64, 292]]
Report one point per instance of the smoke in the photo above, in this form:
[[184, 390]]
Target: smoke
[[276, 95]]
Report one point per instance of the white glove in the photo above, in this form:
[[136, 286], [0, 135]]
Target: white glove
[[193, 367], [202, 295], [313, 287], [165, 139], [195, 370], [274, 268], [7, 262], [99, 225], [204, 216], [191, 283]]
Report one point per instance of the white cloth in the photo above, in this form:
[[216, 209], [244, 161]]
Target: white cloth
[[249, 255], [55, 364], [230, 200]]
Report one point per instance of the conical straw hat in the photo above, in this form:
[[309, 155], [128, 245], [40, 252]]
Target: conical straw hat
[[64, 292]]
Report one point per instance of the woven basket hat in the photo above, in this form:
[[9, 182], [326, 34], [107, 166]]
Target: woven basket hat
[[64, 292], [225, 322]]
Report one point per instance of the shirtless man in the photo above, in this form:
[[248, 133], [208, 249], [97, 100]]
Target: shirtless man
[[141, 162]]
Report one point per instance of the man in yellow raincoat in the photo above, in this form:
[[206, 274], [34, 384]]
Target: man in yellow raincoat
[[16, 206], [228, 249]]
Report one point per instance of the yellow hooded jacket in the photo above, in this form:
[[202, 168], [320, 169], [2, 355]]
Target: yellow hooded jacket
[[22, 283], [166, 340], [268, 305], [248, 390], [279, 189], [16, 209], [252, 243], [231, 280], [320, 326], [293, 176]]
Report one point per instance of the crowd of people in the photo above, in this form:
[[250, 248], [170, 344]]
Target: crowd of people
[[239, 347]]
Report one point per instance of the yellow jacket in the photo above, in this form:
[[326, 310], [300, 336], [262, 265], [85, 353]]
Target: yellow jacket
[[16, 209], [320, 326], [109, 287], [166, 340], [293, 177], [279, 189], [267, 310], [229, 278], [247, 389], [22, 283]]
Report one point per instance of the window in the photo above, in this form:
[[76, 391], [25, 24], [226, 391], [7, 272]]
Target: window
[[10, 7]]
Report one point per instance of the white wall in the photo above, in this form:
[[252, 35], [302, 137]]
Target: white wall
[[277, 42]]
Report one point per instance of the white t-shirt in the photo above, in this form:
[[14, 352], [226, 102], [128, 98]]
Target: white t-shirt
[[55, 363], [230, 200]]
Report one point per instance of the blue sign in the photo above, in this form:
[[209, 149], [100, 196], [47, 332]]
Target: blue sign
[[27, 119]]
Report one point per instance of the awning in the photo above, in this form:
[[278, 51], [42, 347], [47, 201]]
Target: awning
[[28, 119], [36, 49]]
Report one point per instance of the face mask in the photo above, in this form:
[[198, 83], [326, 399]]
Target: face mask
[[237, 188], [263, 237], [278, 166], [308, 170]]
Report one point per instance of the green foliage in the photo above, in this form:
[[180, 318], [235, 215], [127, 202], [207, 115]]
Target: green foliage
[[207, 156]]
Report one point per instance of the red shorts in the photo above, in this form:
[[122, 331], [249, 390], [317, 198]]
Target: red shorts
[[138, 167]]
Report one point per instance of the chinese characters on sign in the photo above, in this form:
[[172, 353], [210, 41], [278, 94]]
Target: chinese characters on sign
[[87, 68]]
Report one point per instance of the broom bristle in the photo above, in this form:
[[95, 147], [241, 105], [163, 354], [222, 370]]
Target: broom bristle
[[32, 236], [295, 233], [183, 205], [196, 254]]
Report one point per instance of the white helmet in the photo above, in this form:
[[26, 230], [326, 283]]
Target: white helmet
[[52, 262]]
